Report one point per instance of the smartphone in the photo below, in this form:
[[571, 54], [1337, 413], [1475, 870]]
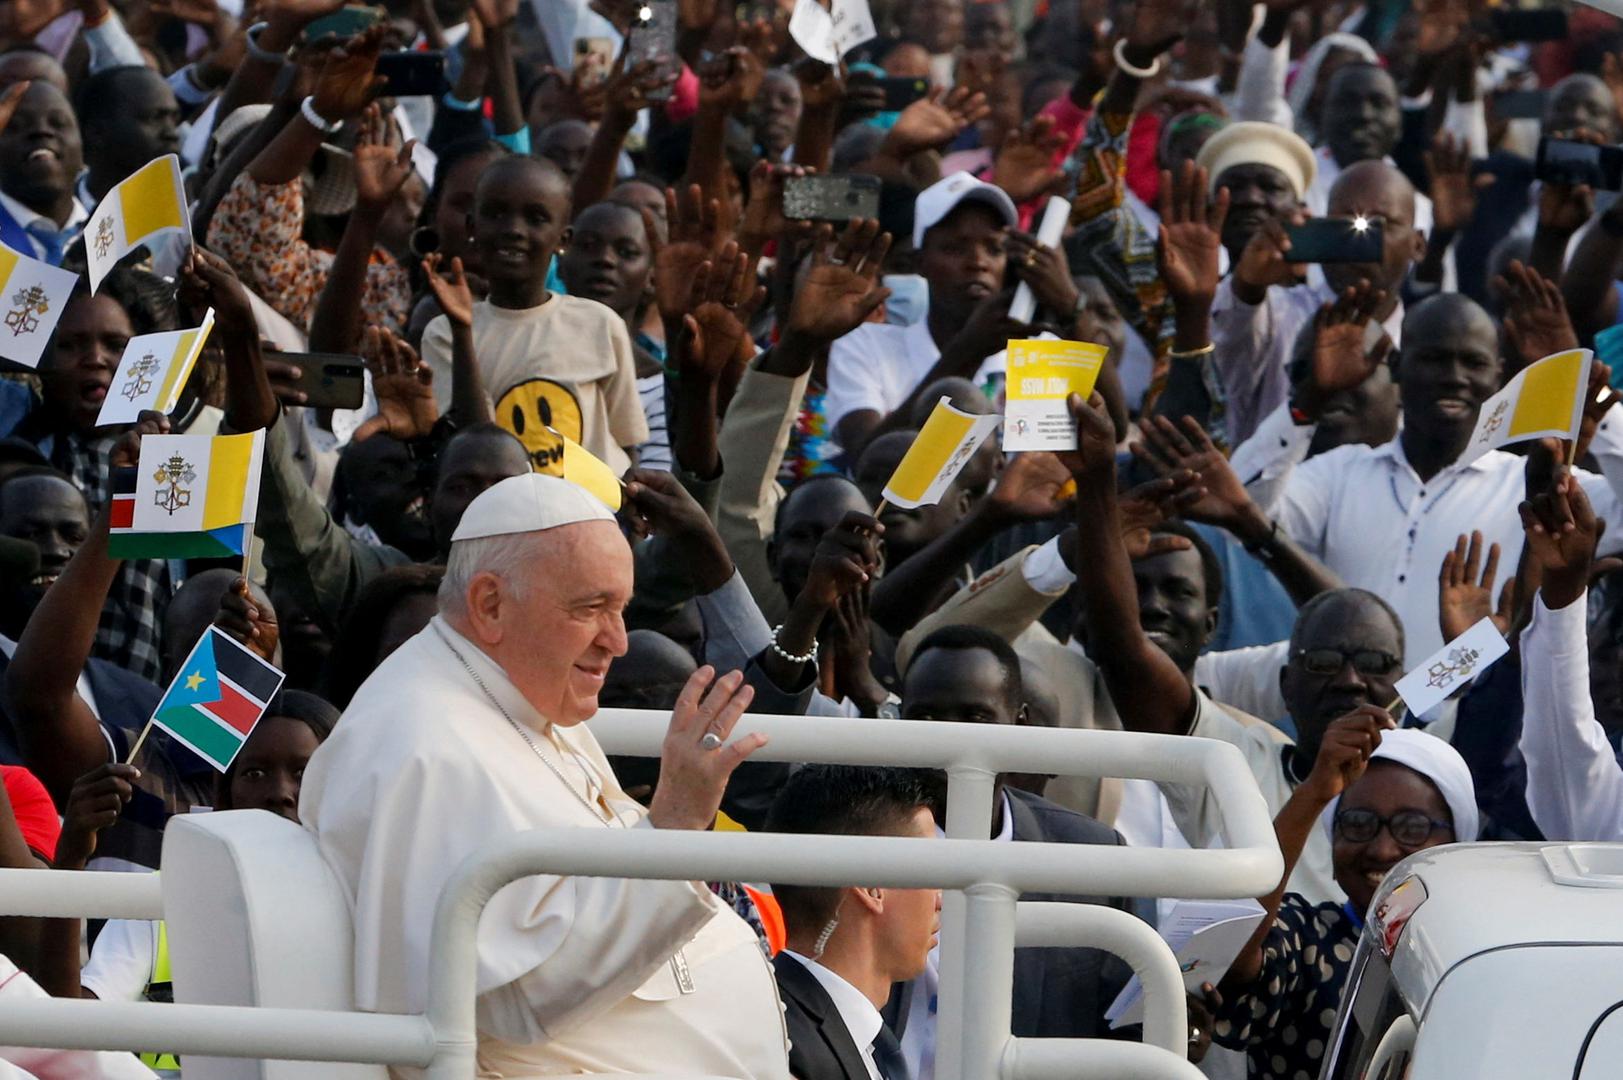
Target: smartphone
[[652, 39], [346, 22], [1529, 24], [902, 92], [411, 74], [1336, 240], [835, 199], [1609, 351], [1562, 161], [596, 53], [1521, 104], [329, 380]]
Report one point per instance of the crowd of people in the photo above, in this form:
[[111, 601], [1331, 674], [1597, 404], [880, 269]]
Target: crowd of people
[[1269, 518]]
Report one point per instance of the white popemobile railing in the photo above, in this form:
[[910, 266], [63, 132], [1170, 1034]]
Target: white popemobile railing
[[982, 922]]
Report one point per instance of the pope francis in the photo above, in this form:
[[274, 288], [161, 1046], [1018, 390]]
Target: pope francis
[[475, 728]]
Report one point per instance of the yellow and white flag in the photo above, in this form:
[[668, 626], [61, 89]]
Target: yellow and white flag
[[944, 446], [152, 373], [585, 469], [146, 207], [1544, 400], [32, 294]]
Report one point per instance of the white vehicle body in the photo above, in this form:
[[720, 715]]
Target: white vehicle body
[[1489, 962]]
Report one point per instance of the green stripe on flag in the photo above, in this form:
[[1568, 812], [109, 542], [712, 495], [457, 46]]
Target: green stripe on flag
[[204, 735], [177, 545]]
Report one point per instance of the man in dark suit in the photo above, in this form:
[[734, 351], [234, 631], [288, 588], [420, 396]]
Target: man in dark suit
[[970, 675], [847, 947]]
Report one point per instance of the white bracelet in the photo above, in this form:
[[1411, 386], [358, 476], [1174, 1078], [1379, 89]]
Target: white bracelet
[[1120, 52], [316, 120], [790, 657], [258, 51]]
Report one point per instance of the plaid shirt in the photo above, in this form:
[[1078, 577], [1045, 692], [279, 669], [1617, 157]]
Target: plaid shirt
[[132, 620]]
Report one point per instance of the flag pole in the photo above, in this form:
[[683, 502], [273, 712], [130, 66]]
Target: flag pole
[[879, 510], [136, 749], [1572, 452]]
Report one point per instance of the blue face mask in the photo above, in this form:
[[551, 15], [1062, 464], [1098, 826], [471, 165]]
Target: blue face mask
[[909, 298]]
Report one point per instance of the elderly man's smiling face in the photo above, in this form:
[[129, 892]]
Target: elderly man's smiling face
[[563, 626]]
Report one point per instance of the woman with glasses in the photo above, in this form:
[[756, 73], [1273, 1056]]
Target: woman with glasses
[[1382, 794]]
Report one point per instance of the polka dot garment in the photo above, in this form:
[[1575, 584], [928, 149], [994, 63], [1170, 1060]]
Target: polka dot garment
[[1285, 1021]]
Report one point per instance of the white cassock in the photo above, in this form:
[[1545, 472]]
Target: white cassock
[[576, 974]]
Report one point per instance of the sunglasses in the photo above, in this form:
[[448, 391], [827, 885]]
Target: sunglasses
[[1410, 828], [1331, 661]]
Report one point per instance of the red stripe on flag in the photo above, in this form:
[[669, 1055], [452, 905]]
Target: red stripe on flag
[[234, 709], [123, 511]]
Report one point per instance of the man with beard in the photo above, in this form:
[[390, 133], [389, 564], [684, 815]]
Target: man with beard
[[40, 159]]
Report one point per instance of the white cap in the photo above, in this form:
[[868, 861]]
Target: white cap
[[942, 198], [1253, 142], [529, 503]]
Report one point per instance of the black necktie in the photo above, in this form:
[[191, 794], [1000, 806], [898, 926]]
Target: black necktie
[[887, 1055]]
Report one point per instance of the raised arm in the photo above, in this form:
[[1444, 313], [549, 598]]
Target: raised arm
[[469, 402], [1135, 669], [380, 172], [1188, 259], [60, 738], [1227, 505], [1344, 754], [1574, 783]]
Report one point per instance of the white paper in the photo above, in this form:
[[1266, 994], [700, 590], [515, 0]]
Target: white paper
[[1055, 215], [1205, 936], [1451, 667], [829, 33]]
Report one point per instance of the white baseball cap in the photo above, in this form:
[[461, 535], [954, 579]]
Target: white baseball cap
[[942, 198], [532, 502]]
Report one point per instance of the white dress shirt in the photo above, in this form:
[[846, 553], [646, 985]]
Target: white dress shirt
[[25, 217], [862, 1021], [1574, 785], [1365, 513]]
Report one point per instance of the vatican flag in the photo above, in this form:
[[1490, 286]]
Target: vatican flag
[[192, 497], [152, 373], [585, 469], [943, 447], [1544, 400], [146, 207], [32, 294]]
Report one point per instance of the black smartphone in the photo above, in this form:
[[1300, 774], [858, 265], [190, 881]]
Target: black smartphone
[[652, 38], [413, 73], [1336, 240], [835, 199], [346, 22], [329, 380], [1529, 24], [1521, 104], [1562, 161], [901, 92]]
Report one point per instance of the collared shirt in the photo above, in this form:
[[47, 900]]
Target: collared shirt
[[1253, 344], [862, 1021], [25, 217], [1365, 513], [918, 1037]]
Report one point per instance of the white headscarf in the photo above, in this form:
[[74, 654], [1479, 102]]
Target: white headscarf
[[1307, 76], [1438, 762]]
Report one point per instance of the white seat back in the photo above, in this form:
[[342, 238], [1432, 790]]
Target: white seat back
[[256, 917]]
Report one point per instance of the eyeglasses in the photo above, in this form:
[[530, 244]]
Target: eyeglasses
[[1331, 661], [1410, 828]]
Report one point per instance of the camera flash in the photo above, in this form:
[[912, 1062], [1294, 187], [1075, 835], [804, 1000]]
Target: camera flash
[[1360, 223], [645, 13]]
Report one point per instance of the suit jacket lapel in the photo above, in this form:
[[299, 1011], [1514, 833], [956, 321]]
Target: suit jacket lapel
[[802, 985]]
